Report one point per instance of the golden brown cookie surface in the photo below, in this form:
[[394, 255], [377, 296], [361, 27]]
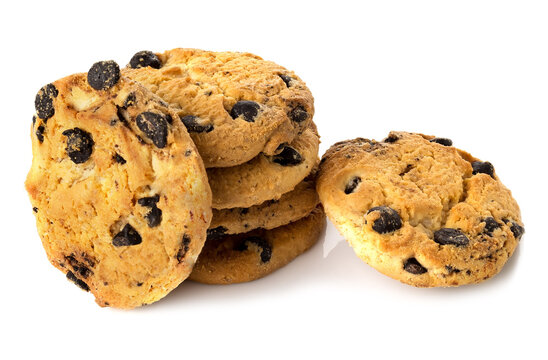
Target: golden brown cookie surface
[[271, 214], [265, 177], [235, 105], [419, 210], [119, 191], [245, 257]]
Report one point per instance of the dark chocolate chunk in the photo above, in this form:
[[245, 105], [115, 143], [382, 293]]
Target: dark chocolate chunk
[[352, 185], [185, 242], [154, 216], [74, 279], [35, 209], [127, 237], [79, 145], [43, 103], [452, 270], [149, 201], [286, 79], [298, 114], [103, 75], [412, 266], [516, 228], [130, 100], [119, 159], [33, 119], [78, 267], [192, 125], [154, 126], [483, 168], [288, 157], [391, 139], [442, 141], [248, 110], [216, 233], [449, 236], [490, 225], [388, 221], [145, 58], [40, 133], [266, 248]]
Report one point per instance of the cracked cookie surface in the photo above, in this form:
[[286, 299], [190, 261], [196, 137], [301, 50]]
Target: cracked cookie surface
[[235, 105], [245, 257], [119, 192], [292, 206], [265, 177], [419, 210]]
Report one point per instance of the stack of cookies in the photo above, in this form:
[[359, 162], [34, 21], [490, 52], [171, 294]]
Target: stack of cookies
[[251, 121]]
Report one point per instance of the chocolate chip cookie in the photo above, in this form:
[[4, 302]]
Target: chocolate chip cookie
[[265, 177], [245, 257], [292, 206], [119, 191], [234, 105], [420, 210]]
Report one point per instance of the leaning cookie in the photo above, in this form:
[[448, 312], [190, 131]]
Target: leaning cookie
[[271, 214], [235, 105], [419, 210], [265, 177], [119, 192], [245, 257]]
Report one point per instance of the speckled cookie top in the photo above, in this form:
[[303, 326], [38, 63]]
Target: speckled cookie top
[[119, 191], [420, 210], [235, 105], [265, 177]]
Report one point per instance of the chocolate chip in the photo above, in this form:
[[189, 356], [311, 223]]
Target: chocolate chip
[[412, 266], [391, 139], [74, 279], [266, 248], [452, 270], [286, 79], [442, 141], [388, 221], [130, 100], [78, 267], [483, 168], [184, 248], [33, 119], [352, 185], [298, 114], [40, 133], [192, 125], [516, 228], [288, 157], [119, 159], [449, 236], [248, 110], [216, 233], [43, 103], [145, 58], [490, 225], [103, 75], [35, 209], [154, 126], [127, 237], [154, 216], [79, 145]]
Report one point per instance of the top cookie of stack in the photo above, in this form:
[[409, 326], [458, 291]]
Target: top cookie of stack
[[251, 121]]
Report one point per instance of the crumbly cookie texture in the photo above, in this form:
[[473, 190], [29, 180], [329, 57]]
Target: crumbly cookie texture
[[419, 210], [265, 177], [271, 214], [245, 257], [235, 105], [119, 191]]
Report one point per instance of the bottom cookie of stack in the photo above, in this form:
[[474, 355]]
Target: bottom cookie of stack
[[236, 258]]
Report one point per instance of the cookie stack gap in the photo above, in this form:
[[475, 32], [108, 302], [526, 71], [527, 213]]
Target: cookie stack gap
[[251, 120]]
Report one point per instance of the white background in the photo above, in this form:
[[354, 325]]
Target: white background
[[473, 71]]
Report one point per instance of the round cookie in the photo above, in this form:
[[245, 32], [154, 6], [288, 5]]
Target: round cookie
[[265, 177], [245, 257], [119, 191], [419, 210], [235, 105], [271, 214]]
